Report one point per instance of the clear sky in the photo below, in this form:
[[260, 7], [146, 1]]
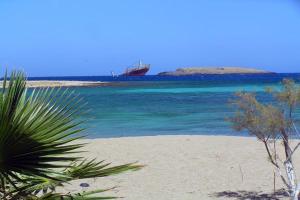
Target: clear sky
[[93, 37]]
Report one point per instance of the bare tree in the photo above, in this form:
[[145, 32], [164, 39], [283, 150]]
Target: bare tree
[[273, 124]]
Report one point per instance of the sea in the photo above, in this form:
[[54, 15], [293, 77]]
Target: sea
[[167, 105]]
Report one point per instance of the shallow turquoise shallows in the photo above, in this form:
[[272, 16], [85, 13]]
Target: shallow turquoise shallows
[[139, 108]]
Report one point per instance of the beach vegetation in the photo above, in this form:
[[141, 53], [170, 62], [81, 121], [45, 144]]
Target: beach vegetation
[[274, 124], [40, 148]]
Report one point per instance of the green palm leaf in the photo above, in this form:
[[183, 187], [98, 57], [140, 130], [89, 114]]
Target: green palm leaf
[[35, 132], [37, 152], [91, 169]]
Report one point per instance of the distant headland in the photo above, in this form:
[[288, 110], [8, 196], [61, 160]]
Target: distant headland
[[212, 70]]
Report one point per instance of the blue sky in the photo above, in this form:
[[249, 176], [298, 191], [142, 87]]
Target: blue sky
[[93, 37]]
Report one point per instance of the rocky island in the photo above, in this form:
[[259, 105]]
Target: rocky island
[[212, 70]]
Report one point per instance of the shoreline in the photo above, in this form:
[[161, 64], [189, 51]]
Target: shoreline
[[56, 83], [184, 167], [169, 135]]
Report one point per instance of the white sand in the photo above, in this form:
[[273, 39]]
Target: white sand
[[185, 167], [50, 83], [64, 83]]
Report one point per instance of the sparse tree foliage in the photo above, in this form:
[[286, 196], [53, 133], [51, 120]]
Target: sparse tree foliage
[[273, 124], [37, 148]]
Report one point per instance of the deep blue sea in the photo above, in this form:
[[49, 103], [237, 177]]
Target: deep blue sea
[[164, 105]]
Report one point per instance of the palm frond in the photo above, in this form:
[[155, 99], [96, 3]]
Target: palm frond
[[91, 195], [35, 128], [37, 148], [77, 170], [91, 169]]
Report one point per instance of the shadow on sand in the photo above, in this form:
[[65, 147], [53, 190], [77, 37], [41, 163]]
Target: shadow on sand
[[251, 195]]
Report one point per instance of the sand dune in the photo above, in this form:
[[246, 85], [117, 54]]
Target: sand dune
[[185, 167]]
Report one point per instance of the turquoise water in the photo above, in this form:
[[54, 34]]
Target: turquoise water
[[141, 108]]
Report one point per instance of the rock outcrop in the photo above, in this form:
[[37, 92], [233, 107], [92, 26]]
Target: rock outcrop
[[212, 70]]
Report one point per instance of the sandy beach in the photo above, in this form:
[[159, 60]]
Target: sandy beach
[[50, 83], [185, 167]]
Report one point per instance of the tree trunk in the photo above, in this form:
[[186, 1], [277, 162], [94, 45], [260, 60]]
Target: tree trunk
[[289, 167], [294, 187], [296, 193]]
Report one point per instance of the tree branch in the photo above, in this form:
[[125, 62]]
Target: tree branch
[[296, 147], [275, 164]]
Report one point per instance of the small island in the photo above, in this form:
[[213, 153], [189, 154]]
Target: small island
[[212, 70]]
